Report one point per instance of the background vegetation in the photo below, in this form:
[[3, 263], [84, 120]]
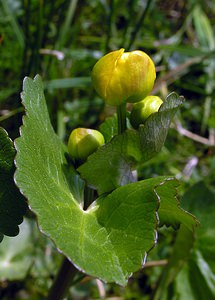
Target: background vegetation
[[61, 40]]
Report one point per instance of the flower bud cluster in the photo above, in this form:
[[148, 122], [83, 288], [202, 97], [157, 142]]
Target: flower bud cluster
[[119, 77]]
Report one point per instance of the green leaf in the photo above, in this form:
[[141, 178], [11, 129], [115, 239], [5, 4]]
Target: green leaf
[[196, 280], [106, 168], [109, 128], [180, 254], [171, 214], [200, 200], [204, 29], [68, 83], [12, 204], [202, 278], [111, 238], [109, 168], [153, 134], [182, 286]]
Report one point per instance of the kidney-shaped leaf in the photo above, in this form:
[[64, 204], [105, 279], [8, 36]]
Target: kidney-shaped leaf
[[111, 238]]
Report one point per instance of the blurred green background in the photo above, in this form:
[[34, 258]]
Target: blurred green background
[[61, 40]]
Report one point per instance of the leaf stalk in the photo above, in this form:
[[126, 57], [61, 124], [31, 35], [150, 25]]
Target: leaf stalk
[[62, 281], [121, 118]]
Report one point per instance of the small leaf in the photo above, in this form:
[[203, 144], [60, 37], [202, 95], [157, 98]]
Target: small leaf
[[109, 168], [109, 128], [171, 214], [105, 169], [153, 134], [12, 204]]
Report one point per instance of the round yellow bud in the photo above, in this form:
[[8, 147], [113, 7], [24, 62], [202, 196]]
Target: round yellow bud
[[143, 109], [83, 142], [120, 77]]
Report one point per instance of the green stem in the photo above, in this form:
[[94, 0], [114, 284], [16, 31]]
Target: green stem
[[66, 27], [62, 281], [60, 124], [109, 25], [11, 113], [139, 25], [121, 118]]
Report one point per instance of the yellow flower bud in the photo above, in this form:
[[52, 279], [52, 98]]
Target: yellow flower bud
[[120, 77], [143, 109], [83, 142]]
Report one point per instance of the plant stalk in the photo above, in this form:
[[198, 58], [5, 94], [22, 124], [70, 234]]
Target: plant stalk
[[62, 281], [121, 118], [138, 25]]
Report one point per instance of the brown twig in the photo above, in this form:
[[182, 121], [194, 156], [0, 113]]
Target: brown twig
[[101, 289], [156, 263], [195, 137], [170, 77]]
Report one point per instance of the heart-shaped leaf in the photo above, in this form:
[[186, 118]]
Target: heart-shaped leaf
[[12, 204], [110, 239]]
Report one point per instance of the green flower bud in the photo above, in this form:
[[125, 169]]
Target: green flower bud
[[83, 142], [120, 77], [143, 109]]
